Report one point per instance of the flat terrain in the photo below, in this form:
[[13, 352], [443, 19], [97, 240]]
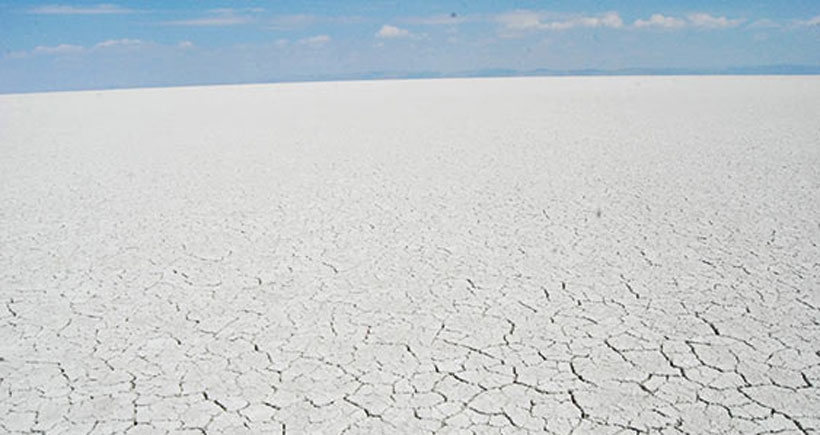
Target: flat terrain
[[597, 255]]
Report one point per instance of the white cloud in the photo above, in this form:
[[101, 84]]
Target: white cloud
[[658, 20], [711, 22], [764, 23], [315, 41], [532, 20], [811, 22], [289, 22], [520, 20], [113, 43], [58, 49], [285, 22], [436, 20], [67, 49], [388, 31], [700, 19], [185, 45], [221, 11], [219, 18], [234, 11], [19, 54], [210, 22], [610, 19], [80, 10]]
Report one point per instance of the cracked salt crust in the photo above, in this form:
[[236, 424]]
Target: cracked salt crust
[[547, 255]]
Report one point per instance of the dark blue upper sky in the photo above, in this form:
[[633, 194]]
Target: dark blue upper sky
[[82, 45]]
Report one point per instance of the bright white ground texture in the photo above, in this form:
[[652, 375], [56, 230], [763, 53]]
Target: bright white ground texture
[[597, 255]]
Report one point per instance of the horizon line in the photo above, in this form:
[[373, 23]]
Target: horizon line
[[487, 73]]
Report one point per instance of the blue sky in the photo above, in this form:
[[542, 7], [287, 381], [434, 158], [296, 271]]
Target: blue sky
[[92, 45]]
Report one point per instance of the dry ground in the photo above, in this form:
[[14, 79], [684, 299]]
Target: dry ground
[[598, 255]]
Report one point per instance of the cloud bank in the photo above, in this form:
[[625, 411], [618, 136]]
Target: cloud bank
[[712, 22], [387, 31], [218, 18], [100, 9], [659, 20], [532, 20]]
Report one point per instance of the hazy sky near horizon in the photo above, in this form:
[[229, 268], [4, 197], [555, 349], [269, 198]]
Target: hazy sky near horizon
[[45, 45]]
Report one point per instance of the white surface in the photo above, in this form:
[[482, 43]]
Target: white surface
[[604, 255]]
